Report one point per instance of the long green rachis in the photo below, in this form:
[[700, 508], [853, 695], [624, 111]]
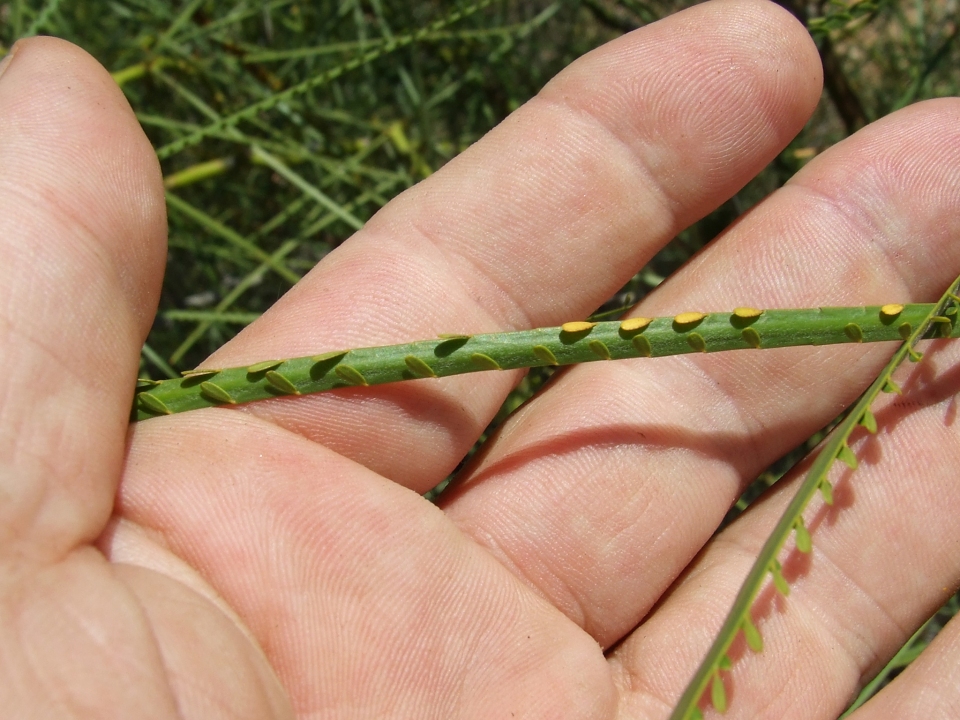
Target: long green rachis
[[574, 342]]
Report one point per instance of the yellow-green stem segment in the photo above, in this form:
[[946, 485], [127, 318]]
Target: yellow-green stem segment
[[574, 342]]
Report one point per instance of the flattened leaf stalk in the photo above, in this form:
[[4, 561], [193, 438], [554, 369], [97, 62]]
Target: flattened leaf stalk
[[573, 342]]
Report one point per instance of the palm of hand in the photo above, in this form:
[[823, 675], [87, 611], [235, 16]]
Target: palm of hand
[[279, 561]]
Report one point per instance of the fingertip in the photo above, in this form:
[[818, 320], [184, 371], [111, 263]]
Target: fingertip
[[779, 34], [68, 135], [706, 97]]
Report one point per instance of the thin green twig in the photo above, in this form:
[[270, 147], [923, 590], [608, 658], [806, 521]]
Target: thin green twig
[[941, 320]]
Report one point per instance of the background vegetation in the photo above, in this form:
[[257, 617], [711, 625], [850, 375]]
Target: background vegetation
[[282, 126]]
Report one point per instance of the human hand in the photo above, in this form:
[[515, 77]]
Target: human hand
[[278, 561]]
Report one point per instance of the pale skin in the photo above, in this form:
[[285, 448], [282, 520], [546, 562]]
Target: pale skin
[[277, 561]]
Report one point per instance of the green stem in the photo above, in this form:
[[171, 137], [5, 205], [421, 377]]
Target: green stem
[[931, 320], [565, 345]]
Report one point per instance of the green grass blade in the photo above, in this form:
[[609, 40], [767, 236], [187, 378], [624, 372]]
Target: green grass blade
[[212, 316], [216, 227], [182, 19], [42, 18], [318, 80], [198, 173], [230, 298], [907, 654], [152, 357], [258, 154]]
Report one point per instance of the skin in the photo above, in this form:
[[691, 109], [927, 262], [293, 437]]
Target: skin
[[276, 561]]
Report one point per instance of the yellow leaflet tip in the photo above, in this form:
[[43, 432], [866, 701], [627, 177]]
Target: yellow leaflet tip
[[869, 421], [153, 404], [688, 318], [418, 367], [747, 312], [718, 694], [263, 366], [484, 362], [216, 393], [351, 375], [826, 489], [802, 537], [323, 357], [600, 350], [281, 383], [854, 332], [544, 354], [637, 323], [197, 372], [752, 635], [779, 581], [696, 341], [891, 310], [642, 344], [847, 456], [577, 326], [751, 337]]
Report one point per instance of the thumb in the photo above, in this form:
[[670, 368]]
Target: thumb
[[82, 246]]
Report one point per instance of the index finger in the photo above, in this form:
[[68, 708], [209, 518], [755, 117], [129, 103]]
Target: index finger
[[539, 223]]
